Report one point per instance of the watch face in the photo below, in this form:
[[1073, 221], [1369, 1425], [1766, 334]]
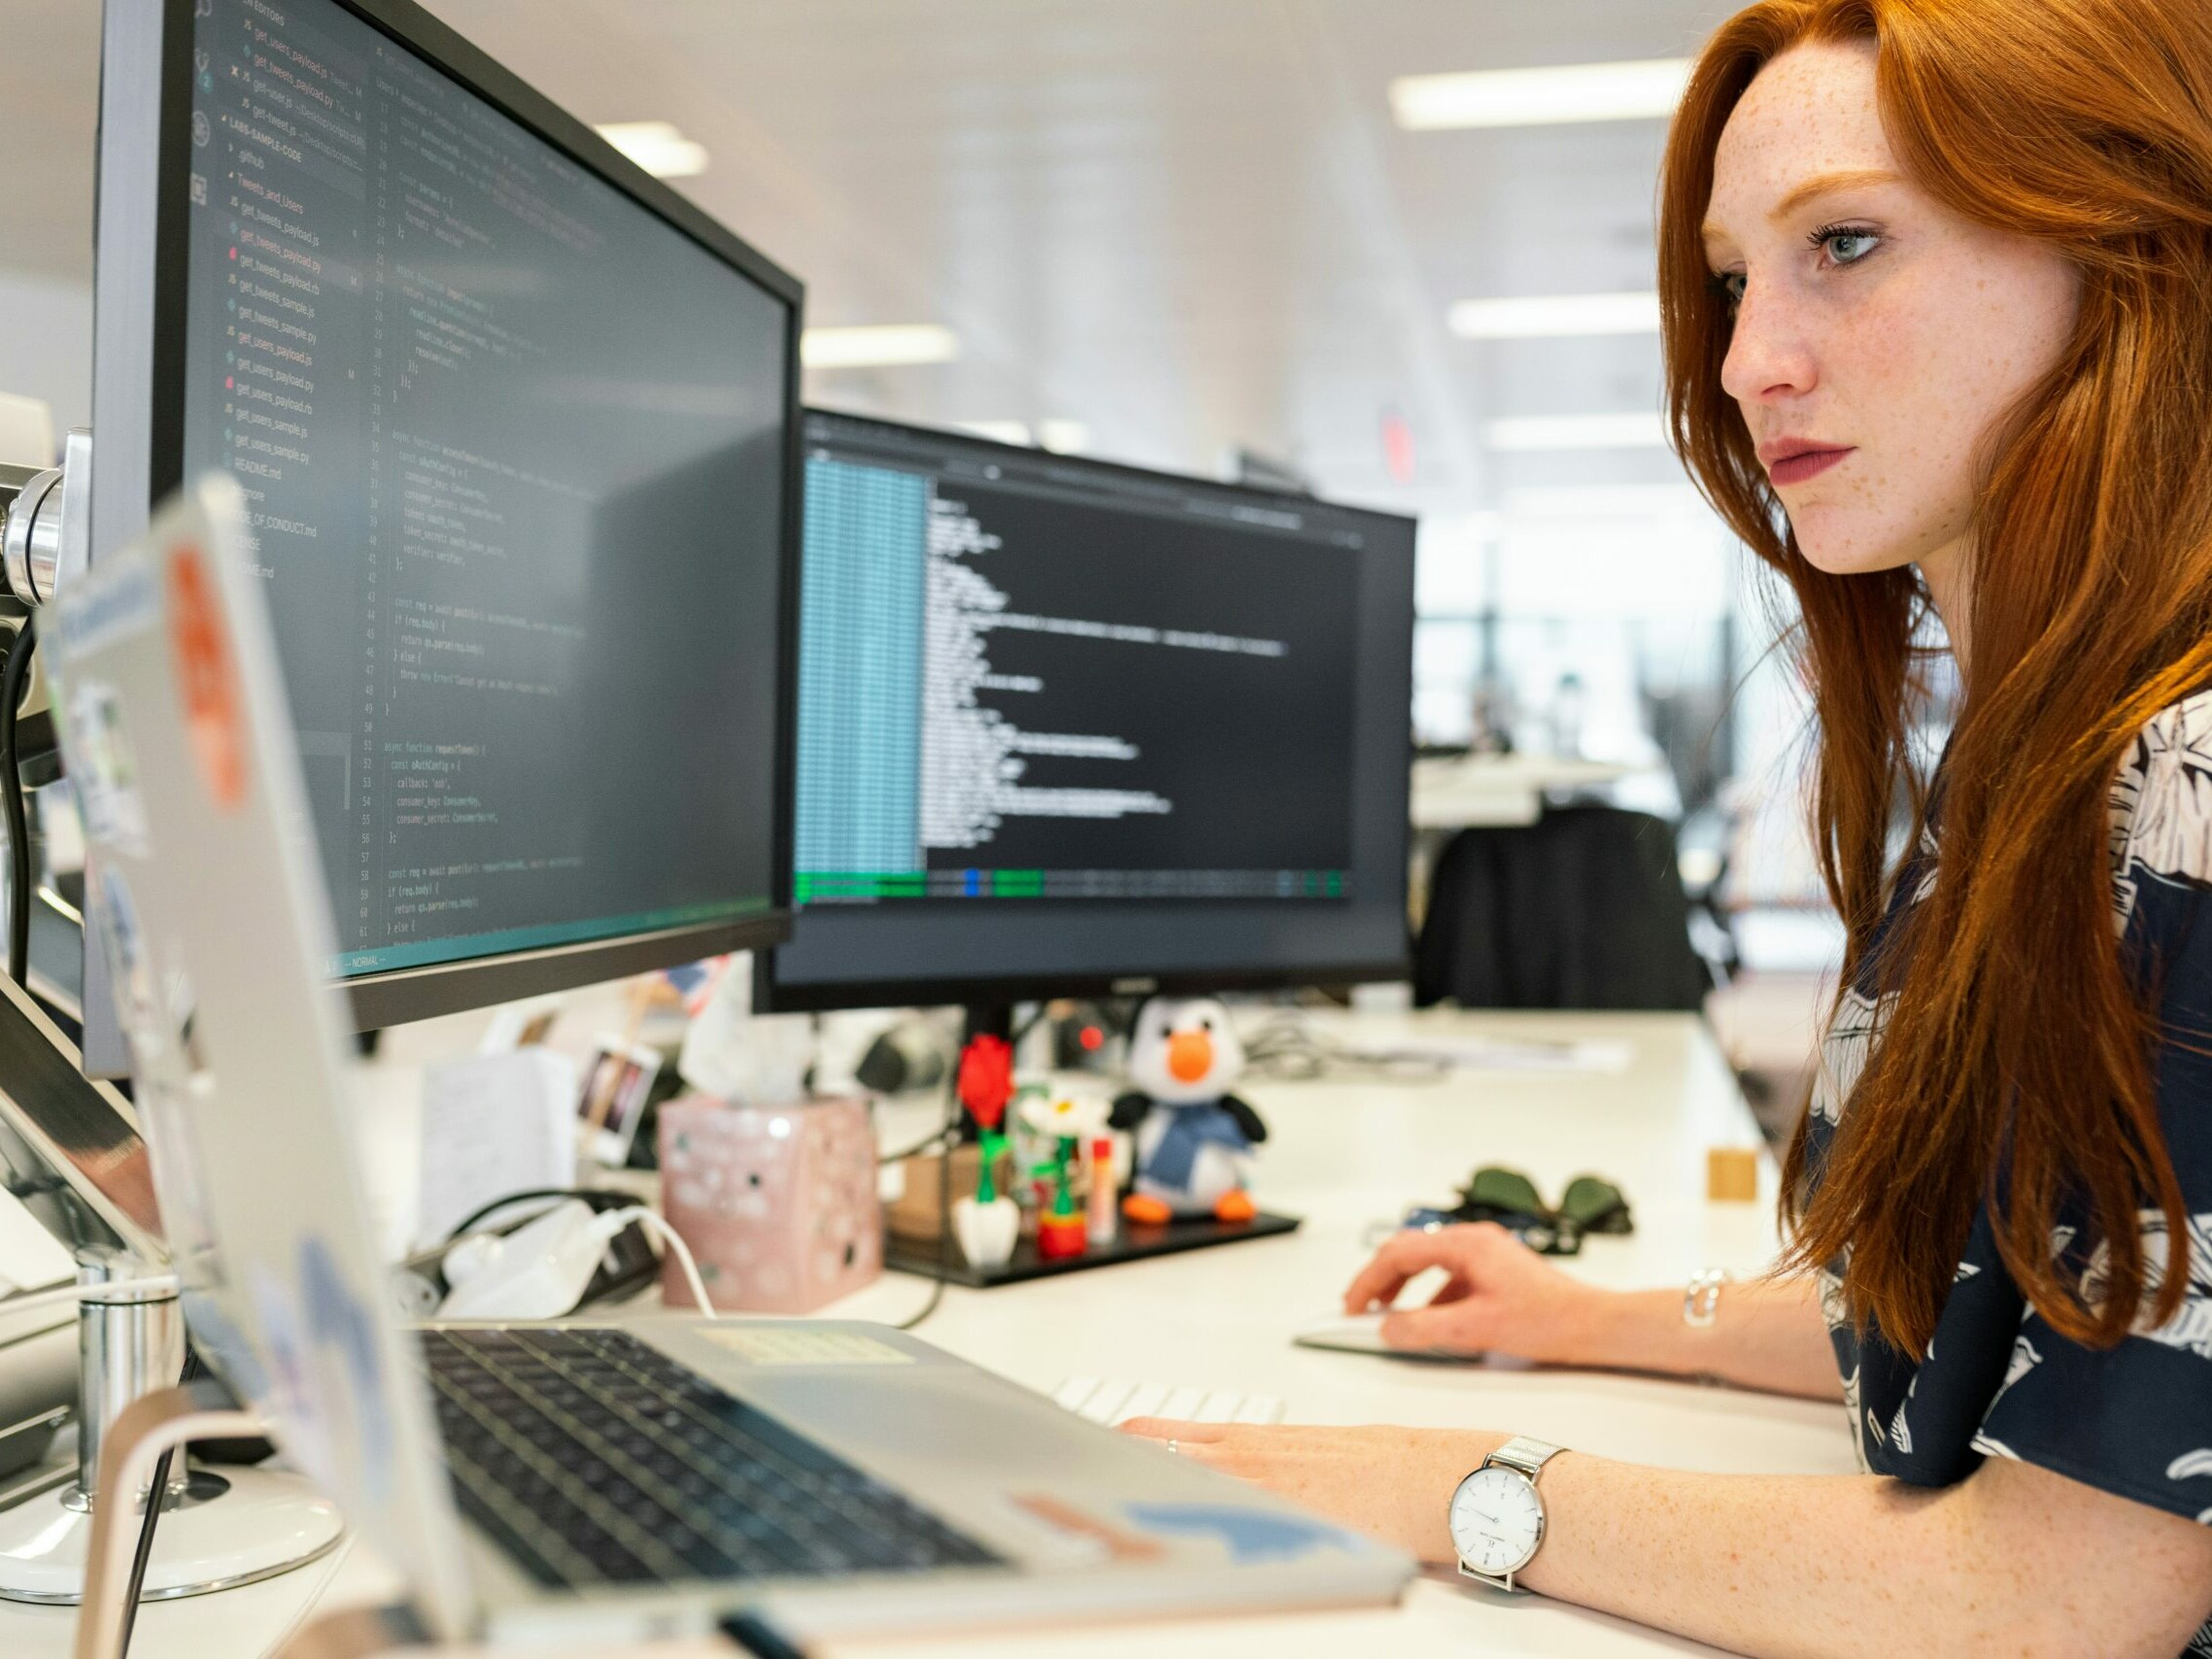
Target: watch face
[[1497, 1520]]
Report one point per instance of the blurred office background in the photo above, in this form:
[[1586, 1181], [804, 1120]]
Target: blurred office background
[[1205, 235]]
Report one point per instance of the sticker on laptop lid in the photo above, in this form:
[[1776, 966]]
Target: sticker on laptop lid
[[779, 1345], [1243, 1533], [112, 601], [1063, 1534], [325, 1375], [207, 677], [107, 775]]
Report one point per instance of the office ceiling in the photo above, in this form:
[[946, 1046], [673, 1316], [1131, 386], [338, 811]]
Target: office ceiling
[[1188, 224]]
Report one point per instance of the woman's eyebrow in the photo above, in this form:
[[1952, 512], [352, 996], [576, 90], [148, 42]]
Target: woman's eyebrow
[[1810, 189], [1825, 184]]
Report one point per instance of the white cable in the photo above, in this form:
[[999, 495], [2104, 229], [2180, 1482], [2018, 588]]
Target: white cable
[[655, 1222], [31, 1301]]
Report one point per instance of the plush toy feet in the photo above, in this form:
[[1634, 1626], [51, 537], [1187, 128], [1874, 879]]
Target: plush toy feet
[[1146, 1211], [1235, 1206]]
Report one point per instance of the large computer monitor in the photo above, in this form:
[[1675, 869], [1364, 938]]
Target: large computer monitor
[[1068, 727], [517, 424]]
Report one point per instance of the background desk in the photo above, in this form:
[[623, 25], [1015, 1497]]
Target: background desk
[[1456, 791], [1346, 1154]]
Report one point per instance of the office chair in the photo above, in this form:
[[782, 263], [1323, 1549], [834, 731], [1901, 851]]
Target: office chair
[[1581, 909]]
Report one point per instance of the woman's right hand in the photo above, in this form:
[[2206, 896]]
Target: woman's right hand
[[1498, 1295]]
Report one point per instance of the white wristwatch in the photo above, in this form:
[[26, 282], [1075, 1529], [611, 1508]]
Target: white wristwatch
[[1497, 1513]]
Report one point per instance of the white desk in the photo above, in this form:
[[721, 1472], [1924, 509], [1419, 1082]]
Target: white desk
[[1346, 1155], [1455, 792]]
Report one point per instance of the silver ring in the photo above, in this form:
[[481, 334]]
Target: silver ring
[[1175, 1447]]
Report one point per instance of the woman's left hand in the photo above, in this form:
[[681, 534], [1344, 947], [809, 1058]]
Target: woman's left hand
[[1393, 1485]]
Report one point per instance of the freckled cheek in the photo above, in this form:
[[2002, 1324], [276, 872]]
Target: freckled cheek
[[1911, 376], [1881, 353]]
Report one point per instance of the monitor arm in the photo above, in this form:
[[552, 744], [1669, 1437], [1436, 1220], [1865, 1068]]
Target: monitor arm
[[46, 524]]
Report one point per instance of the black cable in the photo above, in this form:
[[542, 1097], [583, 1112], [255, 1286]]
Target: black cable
[[1289, 1047], [598, 1198], [929, 1143], [12, 678], [754, 1635], [136, 1584]]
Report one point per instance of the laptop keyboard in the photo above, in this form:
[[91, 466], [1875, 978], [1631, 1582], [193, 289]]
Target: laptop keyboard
[[595, 1459]]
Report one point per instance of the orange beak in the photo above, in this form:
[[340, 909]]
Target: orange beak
[[1190, 1056]]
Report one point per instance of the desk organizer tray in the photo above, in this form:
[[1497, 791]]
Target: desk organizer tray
[[1132, 1243]]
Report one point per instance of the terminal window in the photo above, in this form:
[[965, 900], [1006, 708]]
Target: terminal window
[[514, 452], [1057, 682]]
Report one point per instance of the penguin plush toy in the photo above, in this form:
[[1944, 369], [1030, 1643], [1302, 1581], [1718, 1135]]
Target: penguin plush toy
[[1193, 1137]]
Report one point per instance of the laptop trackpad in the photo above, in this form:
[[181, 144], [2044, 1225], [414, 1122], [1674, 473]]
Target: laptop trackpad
[[919, 1420]]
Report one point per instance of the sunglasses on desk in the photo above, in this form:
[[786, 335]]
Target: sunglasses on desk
[[1507, 1196]]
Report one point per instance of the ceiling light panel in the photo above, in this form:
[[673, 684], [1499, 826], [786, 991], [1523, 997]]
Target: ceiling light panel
[[1642, 89], [889, 345], [1555, 315], [998, 431], [1533, 434], [657, 147], [1063, 436]]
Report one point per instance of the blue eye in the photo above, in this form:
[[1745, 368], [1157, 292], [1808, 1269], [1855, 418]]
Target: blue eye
[[1729, 286], [1845, 243]]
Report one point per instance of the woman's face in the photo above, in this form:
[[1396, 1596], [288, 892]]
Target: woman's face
[[1880, 339]]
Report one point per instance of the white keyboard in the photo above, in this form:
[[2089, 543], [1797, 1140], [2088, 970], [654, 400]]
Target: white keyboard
[[1110, 1402]]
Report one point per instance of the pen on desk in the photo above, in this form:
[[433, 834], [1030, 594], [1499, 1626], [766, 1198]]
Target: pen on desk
[[754, 1635], [1104, 1218]]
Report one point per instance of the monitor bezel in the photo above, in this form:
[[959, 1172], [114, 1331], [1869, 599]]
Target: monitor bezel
[[140, 282], [771, 995]]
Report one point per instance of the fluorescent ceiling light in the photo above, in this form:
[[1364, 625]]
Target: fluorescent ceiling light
[[1526, 434], [998, 431], [657, 147], [1063, 437], [1553, 315], [890, 345], [1603, 501], [1540, 97]]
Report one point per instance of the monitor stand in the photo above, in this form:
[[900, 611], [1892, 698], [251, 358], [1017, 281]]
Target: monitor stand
[[217, 1530]]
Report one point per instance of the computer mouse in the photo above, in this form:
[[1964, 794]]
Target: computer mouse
[[1362, 1333], [1347, 1333]]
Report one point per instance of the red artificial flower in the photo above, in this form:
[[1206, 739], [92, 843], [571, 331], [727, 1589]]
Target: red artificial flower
[[987, 1078]]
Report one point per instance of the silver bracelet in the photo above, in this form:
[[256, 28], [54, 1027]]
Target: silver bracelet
[[1701, 1301]]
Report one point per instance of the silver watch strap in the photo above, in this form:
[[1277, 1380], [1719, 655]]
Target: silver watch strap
[[1525, 1453]]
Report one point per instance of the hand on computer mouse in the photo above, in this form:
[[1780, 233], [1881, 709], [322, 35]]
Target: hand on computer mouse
[[1499, 1295]]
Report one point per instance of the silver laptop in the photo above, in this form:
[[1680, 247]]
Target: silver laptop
[[573, 1478]]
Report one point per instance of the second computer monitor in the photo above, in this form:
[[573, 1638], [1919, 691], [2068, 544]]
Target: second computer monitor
[[516, 425], [1068, 727]]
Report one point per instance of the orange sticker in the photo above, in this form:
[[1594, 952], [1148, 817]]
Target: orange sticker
[[214, 712]]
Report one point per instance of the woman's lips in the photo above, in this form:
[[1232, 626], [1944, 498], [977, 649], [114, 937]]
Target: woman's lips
[[1799, 468]]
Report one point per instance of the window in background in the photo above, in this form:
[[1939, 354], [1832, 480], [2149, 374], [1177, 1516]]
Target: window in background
[[1600, 622]]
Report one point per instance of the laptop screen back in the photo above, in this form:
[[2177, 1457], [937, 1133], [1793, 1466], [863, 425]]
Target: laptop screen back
[[215, 924]]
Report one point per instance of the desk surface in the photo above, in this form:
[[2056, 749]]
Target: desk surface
[[1457, 793], [1346, 1154]]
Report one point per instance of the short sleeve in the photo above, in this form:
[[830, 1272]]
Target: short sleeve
[[2136, 1419]]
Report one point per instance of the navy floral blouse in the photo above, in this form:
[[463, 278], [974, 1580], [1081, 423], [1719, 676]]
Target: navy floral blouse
[[1996, 1381]]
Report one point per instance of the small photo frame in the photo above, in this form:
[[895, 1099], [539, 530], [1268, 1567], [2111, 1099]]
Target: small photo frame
[[618, 1080]]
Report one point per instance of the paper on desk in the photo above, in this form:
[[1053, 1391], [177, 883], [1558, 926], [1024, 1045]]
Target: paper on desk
[[493, 1124], [1611, 1056]]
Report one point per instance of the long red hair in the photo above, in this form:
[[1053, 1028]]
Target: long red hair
[[2016, 1067]]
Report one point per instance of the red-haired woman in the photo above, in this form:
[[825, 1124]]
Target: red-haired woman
[[1937, 278]]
